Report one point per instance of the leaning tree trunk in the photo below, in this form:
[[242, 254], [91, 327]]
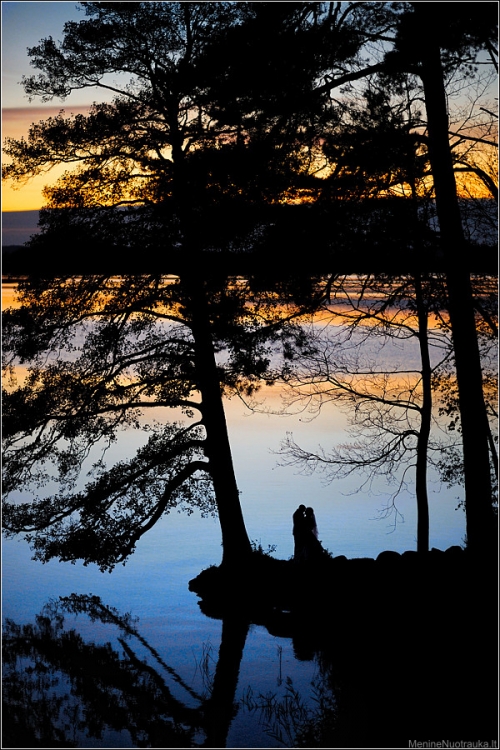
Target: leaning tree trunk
[[481, 527], [235, 542]]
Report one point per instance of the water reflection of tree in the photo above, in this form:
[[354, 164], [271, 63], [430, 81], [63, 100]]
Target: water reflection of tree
[[58, 688], [395, 665]]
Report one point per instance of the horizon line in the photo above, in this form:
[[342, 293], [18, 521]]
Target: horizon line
[[42, 108], [19, 210]]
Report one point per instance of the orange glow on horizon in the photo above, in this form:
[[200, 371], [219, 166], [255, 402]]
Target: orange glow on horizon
[[16, 122], [28, 195]]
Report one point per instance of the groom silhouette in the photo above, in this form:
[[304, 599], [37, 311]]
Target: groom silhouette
[[299, 530]]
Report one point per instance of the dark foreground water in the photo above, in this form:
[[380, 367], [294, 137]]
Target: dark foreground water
[[383, 657]]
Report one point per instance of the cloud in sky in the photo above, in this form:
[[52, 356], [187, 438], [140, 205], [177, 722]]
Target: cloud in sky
[[16, 121], [24, 24]]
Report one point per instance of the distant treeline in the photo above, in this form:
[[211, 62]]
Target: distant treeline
[[369, 237]]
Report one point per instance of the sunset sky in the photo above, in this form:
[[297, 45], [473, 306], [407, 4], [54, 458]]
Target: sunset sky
[[24, 24]]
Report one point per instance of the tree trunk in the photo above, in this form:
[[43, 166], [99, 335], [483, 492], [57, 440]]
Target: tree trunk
[[220, 707], [426, 371], [235, 542], [425, 422], [481, 526]]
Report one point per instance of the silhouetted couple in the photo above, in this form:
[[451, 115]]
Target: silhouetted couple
[[305, 533]]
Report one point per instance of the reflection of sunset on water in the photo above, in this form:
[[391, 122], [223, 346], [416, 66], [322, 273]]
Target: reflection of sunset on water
[[337, 311], [391, 367], [9, 295]]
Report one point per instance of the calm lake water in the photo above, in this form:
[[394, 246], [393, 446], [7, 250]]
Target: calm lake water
[[153, 586]]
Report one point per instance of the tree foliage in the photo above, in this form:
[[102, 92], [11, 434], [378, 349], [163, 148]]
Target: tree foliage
[[145, 182], [101, 354], [387, 397], [77, 690]]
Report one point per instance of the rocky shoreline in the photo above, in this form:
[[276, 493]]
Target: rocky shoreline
[[268, 589]]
